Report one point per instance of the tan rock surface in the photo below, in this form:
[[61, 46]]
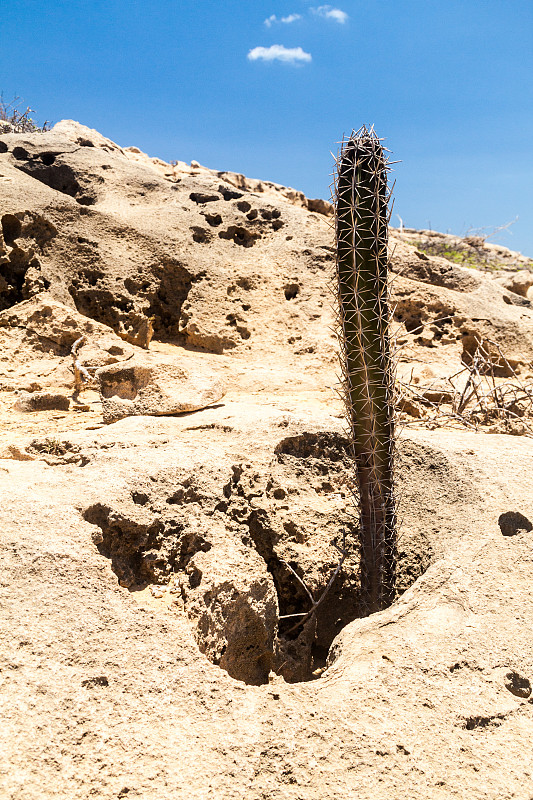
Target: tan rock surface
[[42, 401], [145, 571], [158, 388]]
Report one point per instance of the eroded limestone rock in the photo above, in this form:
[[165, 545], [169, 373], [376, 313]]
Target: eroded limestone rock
[[155, 389]]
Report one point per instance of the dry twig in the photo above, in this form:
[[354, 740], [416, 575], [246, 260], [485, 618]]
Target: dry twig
[[478, 396], [81, 375], [315, 604]]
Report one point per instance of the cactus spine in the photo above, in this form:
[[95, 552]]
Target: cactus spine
[[361, 197]]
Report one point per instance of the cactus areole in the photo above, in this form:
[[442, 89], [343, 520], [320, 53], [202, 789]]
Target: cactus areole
[[361, 198]]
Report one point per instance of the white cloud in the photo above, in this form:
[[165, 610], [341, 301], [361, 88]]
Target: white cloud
[[277, 52], [287, 20], [331, 13]]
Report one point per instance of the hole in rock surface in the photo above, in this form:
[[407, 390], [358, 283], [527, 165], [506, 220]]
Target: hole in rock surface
[[512, 522], [143, 552], [200, 235], [229, 194], [56, 175], [48, 158], [11, 229], [213, 219], [493, 362], [240, 235], [291, 290], [20, 153], [162, 290], [15, 261], [202, 197], [517, 684], [240, 554]]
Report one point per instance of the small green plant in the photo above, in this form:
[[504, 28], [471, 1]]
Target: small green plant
[[361, 197], [14, 120], [51, 445]]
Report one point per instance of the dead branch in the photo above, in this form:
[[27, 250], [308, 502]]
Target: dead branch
[[483, 396], [81, 375], [317, 603]]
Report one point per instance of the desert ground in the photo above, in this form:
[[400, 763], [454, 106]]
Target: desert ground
[[176, 476]]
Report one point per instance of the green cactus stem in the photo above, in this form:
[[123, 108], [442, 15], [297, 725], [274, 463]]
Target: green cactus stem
[[362, 218]]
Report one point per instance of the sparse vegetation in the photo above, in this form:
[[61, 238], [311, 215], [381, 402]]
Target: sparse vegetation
[[15, 120], [464, 257], [486, 391], [51, 445], [469, 251]]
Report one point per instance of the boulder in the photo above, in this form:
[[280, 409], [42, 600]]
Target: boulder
[[518, 282], [139, 388], [42, 401], [36, 338]]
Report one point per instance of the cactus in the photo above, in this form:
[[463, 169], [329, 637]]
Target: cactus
[[361, 197]]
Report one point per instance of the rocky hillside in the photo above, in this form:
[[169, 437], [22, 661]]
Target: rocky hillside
[[175, 464]]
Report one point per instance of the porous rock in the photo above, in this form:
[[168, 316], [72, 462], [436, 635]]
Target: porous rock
[[101, 679], [37, 335], [139, 388], [42, 401], [230, 598], [518, 282]]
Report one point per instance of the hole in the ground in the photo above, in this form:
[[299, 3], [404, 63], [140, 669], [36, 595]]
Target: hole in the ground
[[238, 556], [291, 291], [305, 459], [229, 194], [143, 552], [202, 197], [240, 235], [512, 522], [11, 229]]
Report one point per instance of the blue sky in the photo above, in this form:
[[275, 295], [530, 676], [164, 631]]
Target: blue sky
[[448, 83]]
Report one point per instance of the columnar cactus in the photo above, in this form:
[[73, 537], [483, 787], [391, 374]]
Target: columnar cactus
[[361, 257]]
